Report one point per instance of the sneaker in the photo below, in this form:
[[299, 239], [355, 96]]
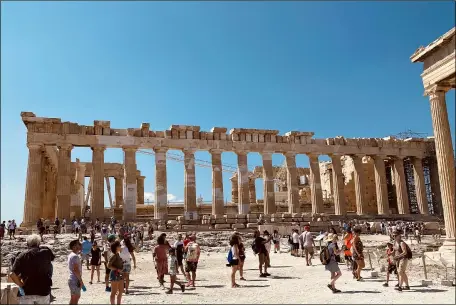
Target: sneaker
[[336, 290], [398, 288], [263, 275], [108, 289], [90, 283], [406, 288], [397, 285], [267, 274], [182, 287], [169, 291], [385, 285]]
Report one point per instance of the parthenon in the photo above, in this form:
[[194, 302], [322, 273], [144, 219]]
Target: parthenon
[[50, 142]]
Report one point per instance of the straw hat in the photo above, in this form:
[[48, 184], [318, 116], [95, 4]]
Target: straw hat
[[331, 237]]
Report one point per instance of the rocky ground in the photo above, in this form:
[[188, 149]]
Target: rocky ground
[[291, 280]]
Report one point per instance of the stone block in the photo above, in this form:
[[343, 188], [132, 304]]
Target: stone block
[[426, 282], [189, 226], [161, 227], [238, 226], [252, 225], [172, 222], [446, 283], [222, 226], [374, 274]]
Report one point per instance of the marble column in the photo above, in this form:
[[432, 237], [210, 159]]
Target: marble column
[[130, 186], [62, 209], [50, 193], [190, 208], [33, 205], [401, 186], [217, 183], [435, 186], [420, 187], [119, 182], [338, 185], [359, 179], [77, 199], [161, 189], [252, 191], [98, 182], [268, 184], [140, 185], [292, 183], [243, 184], [234, 190], [445, 160], [381, 188], [316, 193]]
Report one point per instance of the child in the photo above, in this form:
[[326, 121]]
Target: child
[[95, 261], [391, 264], [172, 270]]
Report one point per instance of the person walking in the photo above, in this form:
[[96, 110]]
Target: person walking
[[127, 253], [263, 256], [106, 255], [402, 255], [392, 268], [172, 270], [179, 247], [86, 248], [160, 258], [75, 282], [95, 261], [276, 241], [309, 245], [332, 266], [63, 228], [32, 271], [193, 252], [115, 265], [348, 237], [357, 251], [241, 257]]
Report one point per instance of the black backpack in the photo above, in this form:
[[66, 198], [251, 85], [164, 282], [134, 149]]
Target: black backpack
[[324, 256], [409, 254], [255, 248]]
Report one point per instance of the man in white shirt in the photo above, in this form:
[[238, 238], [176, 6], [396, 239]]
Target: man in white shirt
[[295, 245], [309, 245]]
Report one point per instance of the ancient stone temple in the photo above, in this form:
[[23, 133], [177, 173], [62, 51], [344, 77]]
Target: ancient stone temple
[[50, 143]]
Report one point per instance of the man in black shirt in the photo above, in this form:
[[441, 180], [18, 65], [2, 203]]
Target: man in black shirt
[[263, 255], [32, 272]]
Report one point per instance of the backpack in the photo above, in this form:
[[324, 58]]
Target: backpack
[[230, 256], [255, 248], [324, 256], [409, 254]]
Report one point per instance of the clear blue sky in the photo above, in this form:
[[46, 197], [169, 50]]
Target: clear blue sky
[[332, 68]]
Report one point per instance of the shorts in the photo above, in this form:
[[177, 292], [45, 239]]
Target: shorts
[[85, 256], [190, 266], [295, 246], [392, 269], [264, 259], [348, 258], [115, 276], [309, 250], [126, 268], [403, 264], [35, 300], [75, 287], [180, 260], [108, 271], [242, 258], [234, 262]]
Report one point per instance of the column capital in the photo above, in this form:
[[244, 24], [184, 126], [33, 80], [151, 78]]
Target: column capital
[[313, 156], [130, 148], [378, 156], [357, 155], [398, 157], [289, 154], [189, 150], [233, 178], [215, 151], [434, 89], [35, 146], [267, 155], [160, 150], [335, 154], [240, 152], [65, 146], [99, 148], [141, 177]]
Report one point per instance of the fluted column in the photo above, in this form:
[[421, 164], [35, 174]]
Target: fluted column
[[338, 185], [130, 184], [234, 190], [268, 184], [190, 209], [98, 180], [77, 199], [420, 187], [50, 193], [359, 178], [445, 158], [243, 184], [119, 182], [292, 183], [316, 193], [401, 186], [161, 189], [435, 186], [140, 186], [252, 191], [381, 188], [33, 205], [217, 183], [64, 182]]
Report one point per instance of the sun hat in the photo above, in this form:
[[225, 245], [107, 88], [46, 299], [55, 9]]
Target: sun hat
[[331, 237]]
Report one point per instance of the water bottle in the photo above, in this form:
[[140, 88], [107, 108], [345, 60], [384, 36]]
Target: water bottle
[[21, 291], [84, 289]]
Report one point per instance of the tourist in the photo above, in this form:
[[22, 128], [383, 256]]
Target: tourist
[[357, 251], [2, 230], [308, 245], [263, 256], [402, 255], [31, 271], [234, 260], [179, 247], [150, 231], [92, 235], [193, 252], [12, 229], [106, 255], [115, 264], [295, 243], [97, 225], [172, 265], [160, 258], [75, 282], [392, 268], [417, 235], [40, 228], [332, 266], [348, 237], [241, 257], [56, 227], [64, 224], [266, 236], [95, 261], [276, 241], [127, 253], [86, 248], [104, 233]]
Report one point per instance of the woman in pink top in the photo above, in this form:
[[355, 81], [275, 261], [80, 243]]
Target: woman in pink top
[[160, 256]]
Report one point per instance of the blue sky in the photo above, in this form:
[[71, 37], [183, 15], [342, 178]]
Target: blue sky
[[332, 68]]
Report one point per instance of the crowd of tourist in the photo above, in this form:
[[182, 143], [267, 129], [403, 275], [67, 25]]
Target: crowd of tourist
[[32, 269]]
